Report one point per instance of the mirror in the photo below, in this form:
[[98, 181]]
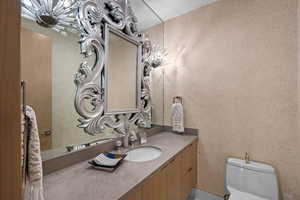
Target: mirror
[[122, 73], [50, 62]]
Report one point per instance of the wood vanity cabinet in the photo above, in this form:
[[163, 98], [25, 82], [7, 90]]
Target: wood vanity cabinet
[[172, 182]]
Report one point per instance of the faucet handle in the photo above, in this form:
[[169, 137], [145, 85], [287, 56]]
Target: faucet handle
[[132, 138], [118, 144], [143, 137], [133, 135]]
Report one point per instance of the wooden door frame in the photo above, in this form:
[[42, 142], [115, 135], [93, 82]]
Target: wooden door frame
[[10, 92]]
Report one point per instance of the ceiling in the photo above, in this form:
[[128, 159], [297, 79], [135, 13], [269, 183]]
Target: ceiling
[[166, 9]]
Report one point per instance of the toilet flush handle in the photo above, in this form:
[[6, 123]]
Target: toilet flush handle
[[247, 158], [226, 196]]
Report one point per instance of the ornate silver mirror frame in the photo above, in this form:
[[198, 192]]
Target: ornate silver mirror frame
[[93, 16]]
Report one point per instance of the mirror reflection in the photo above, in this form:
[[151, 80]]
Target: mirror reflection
[[153, 28], [121, 74], [49, 61]]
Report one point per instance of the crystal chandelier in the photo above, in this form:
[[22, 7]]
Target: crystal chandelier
[[59, 16]]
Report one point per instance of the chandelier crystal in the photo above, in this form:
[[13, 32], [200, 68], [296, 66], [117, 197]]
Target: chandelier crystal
[[59, 16]]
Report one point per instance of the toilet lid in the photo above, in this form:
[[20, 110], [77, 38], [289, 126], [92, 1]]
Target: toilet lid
[[238, 195]]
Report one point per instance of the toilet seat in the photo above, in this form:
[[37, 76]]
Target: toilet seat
[[238, 195]]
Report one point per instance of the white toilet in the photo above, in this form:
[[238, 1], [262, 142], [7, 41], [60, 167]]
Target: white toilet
[[253, 181]]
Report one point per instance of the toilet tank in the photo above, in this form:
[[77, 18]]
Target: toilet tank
[[254, 178]]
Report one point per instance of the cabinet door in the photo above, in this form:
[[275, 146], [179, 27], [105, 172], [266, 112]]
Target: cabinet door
[[174, 179], [187, 159], [186, 168], [10, 118], [194, 172], [189, 169], [147, 189], [160, 185], [155, 188], [135, 194]]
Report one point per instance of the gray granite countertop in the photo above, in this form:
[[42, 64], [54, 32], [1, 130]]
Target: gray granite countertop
[[81, 182]]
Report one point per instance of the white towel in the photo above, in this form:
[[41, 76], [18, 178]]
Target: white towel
[[34, 176], [177, 117]]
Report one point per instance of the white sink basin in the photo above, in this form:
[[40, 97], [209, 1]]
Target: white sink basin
[[143, 154]]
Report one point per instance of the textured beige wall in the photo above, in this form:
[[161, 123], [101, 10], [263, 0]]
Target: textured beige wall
[[235, 64], [156, 35]]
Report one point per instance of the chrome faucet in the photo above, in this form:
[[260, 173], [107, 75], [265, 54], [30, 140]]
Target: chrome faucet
[[124, 133]]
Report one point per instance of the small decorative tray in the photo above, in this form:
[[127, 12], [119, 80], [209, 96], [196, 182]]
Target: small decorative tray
[[107, 161]]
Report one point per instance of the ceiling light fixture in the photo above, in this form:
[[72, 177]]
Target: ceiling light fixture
[[60, 17], [158, 56]]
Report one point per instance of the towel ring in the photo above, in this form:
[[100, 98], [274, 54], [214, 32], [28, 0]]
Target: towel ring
[[178, 99]]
